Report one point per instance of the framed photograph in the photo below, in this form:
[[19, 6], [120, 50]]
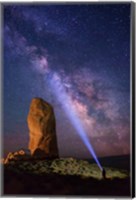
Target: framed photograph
[[67, 99]]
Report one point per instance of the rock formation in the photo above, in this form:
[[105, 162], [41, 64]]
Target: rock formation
[[42, 129], [19, 155]]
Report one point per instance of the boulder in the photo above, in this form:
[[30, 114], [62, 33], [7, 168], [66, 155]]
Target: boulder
[[19, 155], [42, 129]]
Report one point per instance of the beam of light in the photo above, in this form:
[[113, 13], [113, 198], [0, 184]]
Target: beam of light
[[66, 102]]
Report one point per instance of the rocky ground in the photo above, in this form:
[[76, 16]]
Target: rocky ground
[[63, 176]]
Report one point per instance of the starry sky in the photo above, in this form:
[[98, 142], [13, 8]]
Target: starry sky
[[86, 47]]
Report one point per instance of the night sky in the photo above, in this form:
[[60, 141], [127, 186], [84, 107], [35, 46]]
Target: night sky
[[86, 47]]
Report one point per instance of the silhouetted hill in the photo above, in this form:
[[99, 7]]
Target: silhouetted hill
[[66, 176], [120, 162]]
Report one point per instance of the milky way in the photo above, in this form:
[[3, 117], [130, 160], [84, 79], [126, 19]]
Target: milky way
[[87, 48]]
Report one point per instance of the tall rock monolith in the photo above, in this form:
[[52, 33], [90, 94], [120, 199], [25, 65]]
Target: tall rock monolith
[[42, 129]]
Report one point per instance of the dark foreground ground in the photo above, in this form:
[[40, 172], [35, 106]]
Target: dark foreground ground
[[28, 184], [23, 183]]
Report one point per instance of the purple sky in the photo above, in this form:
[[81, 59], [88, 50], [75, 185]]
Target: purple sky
[[86, 47]]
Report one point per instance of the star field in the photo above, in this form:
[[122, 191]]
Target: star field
[[87, 48]]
